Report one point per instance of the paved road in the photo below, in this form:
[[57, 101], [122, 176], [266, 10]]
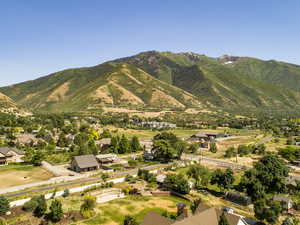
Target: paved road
[[219, 162], [264, 140], [95, 179]]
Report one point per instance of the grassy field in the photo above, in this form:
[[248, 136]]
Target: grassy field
[[110, 213], [18, 174], [113, 213], [184, 133]]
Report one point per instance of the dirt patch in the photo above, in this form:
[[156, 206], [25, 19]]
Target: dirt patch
[[128, 73], [127, 96], [59, 93], [16, 177], [103, 94], [159, 97]]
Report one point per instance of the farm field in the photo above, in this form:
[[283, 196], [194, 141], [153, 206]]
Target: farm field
[[18, 174]]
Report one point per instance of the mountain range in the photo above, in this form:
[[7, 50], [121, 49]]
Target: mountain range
[[165, 80]]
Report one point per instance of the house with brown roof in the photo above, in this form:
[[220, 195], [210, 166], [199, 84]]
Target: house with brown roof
[[103, 144], [9, 155], [153, 218], [204, 215], [84, 163]]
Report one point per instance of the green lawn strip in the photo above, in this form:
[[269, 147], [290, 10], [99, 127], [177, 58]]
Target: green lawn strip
[[16, 166]]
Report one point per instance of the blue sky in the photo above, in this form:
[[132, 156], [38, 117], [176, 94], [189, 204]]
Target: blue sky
[[40, 37]]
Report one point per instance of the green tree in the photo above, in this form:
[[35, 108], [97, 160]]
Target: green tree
[[128, 220], [193, 148], [34, 157], [66, 193], [92, 147], [200, 174], [269, 175], [177, 183], [81, 139], [135, 144], [195, 205], [167, 136], [268, 211], [230, 152], [62, 141], [223, 220], [56, 211], [243, 150], [114, 144], [106, 134], [213, 147], [180, 147], [224, 180], [4, 205], [41, 207], [163, 151], [290, 153], [31, 204], [124, 146]]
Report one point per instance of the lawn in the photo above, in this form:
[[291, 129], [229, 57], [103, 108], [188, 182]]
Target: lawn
[[184, 133], [19, 174], [113, 213]]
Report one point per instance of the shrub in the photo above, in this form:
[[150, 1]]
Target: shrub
[[129, 221], [2, 221], [213, 147], [66, 193], [31, 205], [56, 212], [230, 152], [87, 207], [41, 206], [4, 205]]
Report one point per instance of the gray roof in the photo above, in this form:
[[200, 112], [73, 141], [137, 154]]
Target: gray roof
[[282, 198], [86, 161], [200, 135], [104, 141], [5, 150]]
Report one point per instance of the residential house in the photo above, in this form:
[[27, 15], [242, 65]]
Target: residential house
[[103, 144], [10, 155], [155, 124], [148, 154], [106, 158], [204, 215], [84, 163], [292, 181], [27, 139], [285, 201], [153, 218], [238, 198], [205, 136]]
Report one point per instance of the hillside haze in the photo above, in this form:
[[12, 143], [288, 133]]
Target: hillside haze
[[165, 80]]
